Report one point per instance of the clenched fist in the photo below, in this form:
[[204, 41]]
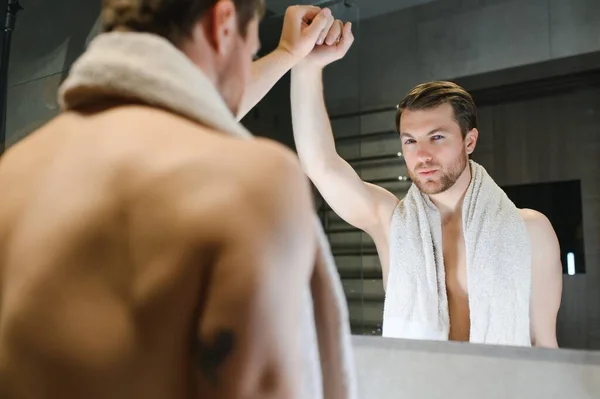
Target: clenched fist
[[337, 43], [303, 28]]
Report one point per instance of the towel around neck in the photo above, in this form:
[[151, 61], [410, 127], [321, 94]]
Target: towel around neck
[[498, 264]]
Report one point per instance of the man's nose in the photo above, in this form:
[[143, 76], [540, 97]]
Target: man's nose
[[423, 153]]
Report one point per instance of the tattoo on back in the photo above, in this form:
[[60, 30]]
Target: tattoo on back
[[211, 354]]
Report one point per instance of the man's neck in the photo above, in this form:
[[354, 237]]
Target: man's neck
[[203, 56], [449, 203]]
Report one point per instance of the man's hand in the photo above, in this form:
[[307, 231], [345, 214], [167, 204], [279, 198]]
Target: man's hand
[[337, 42], [303, 28]]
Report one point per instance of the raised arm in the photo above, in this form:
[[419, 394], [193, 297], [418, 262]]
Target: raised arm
[[249, 331], [297, 39], [266, 72], [546, 279], [363, 205]]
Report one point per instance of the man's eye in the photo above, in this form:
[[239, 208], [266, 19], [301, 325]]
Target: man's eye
[[437, 137], [409, 141]]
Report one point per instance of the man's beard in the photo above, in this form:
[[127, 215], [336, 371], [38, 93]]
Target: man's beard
[[449, 175]]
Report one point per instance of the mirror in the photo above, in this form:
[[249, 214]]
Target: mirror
[[537, 95], [536, 87]]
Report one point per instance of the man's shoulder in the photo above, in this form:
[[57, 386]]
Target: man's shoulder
[[177, 159], [258, 164], [268, 169], [243, 174], [230, 153], [167, 142], [266, 152], [541, 232], [255, 187], [535, 219]]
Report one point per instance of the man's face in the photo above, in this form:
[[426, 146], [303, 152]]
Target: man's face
[[237, 66], [433, 147]]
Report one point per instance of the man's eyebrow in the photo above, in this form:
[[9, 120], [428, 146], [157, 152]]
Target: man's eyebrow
[[436, 130], [431, 132]]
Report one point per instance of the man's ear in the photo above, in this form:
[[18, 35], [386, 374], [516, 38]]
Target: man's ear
[[471, 141], [223, 26]]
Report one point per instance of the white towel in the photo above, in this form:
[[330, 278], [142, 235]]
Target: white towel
[[498, 261], [147, 68]]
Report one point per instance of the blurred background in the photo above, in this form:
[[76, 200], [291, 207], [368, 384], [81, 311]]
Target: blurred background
[[533, 68]]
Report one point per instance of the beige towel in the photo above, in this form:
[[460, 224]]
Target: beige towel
[[498, 258], [147, 68]]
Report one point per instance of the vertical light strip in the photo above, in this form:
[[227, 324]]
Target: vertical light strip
[[571, 264]]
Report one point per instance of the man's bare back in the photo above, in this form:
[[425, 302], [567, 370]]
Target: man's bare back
[[126, 266]]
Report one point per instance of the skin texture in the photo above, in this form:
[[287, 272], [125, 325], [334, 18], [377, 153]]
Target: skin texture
[[145, 256], [140, 269], [436, 156]]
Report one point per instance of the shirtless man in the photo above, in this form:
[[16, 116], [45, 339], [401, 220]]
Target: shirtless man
[[129, 268], [370, 208]]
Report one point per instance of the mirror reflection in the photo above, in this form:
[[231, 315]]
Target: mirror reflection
[[453, 164]]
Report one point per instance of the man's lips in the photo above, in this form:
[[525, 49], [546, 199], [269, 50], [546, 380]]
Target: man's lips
[[427, 172]]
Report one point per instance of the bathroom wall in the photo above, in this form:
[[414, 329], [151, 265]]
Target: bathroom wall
[[48, 37]]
